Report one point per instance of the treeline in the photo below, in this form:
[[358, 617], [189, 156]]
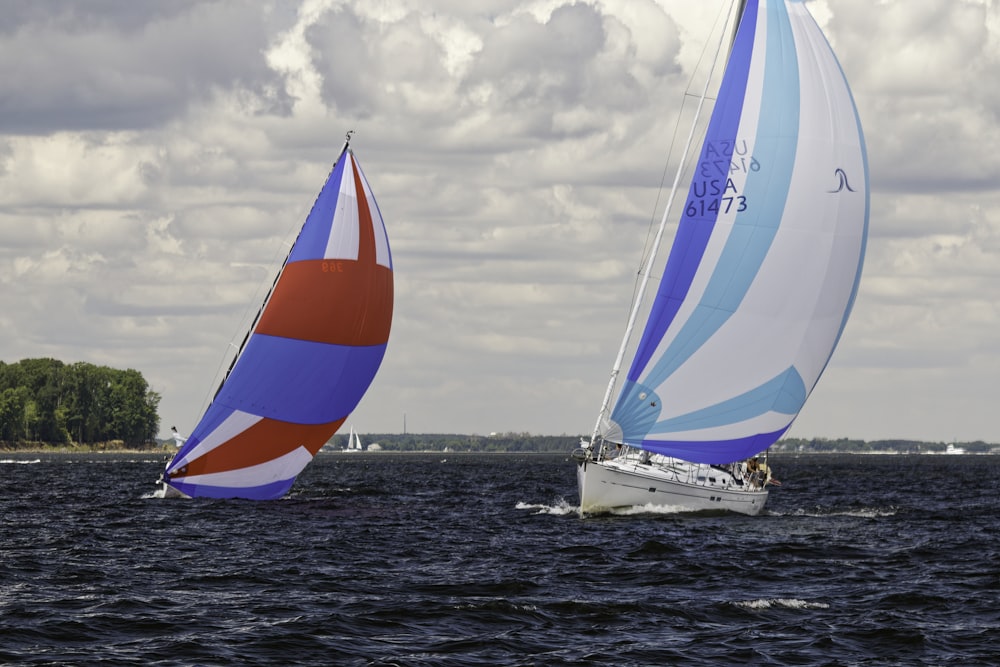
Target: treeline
[[48, 401], [525, 442], [861, 446], [503, 442]]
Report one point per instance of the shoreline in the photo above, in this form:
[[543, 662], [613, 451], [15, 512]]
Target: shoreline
[[83, 449], [35, 451]]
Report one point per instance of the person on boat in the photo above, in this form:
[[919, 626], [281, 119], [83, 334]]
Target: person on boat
[[178, 438], [756, 473], [766, 472]]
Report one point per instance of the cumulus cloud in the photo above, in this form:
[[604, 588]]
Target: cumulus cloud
[[156, 160], [104, 66]]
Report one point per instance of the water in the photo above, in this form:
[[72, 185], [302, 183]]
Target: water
[[467, 559]]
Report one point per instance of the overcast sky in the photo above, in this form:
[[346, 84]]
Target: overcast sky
[[156, 158]]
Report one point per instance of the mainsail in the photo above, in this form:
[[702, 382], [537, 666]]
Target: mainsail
[[767, 256], [310, 357]]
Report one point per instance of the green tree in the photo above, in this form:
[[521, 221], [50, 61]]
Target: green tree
[[46, 400], [133, 411], [43, 378], [13, 401]]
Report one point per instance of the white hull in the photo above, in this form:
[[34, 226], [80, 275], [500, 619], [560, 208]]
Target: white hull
[[667, 483]]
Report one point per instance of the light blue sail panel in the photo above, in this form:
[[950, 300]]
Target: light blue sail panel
[[767, 256]]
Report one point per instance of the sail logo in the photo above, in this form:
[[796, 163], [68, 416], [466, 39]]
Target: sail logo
[[843, 185]]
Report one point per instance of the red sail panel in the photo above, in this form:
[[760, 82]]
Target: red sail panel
[[334, 301]]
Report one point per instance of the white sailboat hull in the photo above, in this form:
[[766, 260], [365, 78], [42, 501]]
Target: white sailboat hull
[[670, 484]]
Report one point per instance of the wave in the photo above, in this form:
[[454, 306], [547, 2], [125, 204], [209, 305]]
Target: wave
[[562, 507], [786, 603], [650, 508], [17, 462], [859, 512]]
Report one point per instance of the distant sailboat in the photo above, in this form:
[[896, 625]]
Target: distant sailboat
[[354, 442], [757, 287], [309, 358]]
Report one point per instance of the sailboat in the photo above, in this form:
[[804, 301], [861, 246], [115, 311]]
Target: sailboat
[[353, 442], [756, 289], [311, 354]]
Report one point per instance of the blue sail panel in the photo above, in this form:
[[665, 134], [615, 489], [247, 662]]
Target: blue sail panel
[[266, 491], [767, 256], [300, 381], [735, 449]]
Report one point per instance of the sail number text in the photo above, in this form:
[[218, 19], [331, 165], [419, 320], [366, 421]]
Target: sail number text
[[713, 190], [699, 207], [333, 267], [714, 168]]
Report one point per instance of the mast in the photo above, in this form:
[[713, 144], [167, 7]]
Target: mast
[[647, 269]]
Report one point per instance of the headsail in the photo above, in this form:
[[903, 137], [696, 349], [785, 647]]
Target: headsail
[[767, 257], [310, 357]]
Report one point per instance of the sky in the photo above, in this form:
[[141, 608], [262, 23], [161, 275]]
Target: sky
[[157, 159]]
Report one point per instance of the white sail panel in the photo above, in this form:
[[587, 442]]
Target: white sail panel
[[280, 469], [344, 240]]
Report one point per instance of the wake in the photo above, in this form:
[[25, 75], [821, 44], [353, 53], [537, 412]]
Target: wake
[[561, 508]]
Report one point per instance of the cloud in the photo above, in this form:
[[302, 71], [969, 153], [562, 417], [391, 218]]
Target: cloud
[[156, 160], [127, 68]]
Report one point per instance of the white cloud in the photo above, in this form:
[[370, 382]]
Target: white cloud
[[155, 161]]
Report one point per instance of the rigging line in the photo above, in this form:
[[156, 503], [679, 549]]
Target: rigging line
[[720, 22], [206, 402], [277, 277], [616, 368]]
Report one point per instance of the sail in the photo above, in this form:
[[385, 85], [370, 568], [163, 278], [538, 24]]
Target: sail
[[312, 354], [767, 256], [353, 441]]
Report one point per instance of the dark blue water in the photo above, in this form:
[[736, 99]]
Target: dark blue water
[[464, 559]]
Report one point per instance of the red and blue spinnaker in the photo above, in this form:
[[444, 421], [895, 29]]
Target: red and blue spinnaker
[[309, 358]]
